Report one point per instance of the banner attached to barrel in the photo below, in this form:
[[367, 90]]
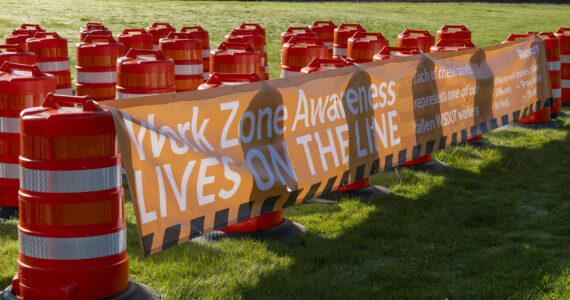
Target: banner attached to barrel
[[202, 160]]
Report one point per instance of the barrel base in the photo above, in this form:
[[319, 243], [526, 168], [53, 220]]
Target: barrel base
[[135, 291], [559, 115], [545, 125], [434, 165], [285, 230], [368, 193], [7, 212], [481, 143], [565, 104]]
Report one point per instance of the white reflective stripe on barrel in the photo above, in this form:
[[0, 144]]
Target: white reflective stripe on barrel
[[66, 91], [73, 248], [230, 83], [206, 75], [206, 53], [554, 65], [565, 59], [263, 61], [54, 66], [564, 83], [9, 125], [127, 96], [265, 48], [329, 45], [189, 69], [9, 171], [96, 77], [286, 74], [340, 51], [76, 181], [556, 93]]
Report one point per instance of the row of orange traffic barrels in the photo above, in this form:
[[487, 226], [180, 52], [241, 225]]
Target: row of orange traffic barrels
[[146, 72], [176, 65], [149, 38], [312, 41], [352, 42]]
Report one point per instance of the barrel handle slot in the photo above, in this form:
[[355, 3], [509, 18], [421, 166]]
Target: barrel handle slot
[[55, 101], [9, 66]]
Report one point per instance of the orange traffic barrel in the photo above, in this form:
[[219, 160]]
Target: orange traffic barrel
[[341, 35], [301, 35], [256, 41], [93, 28], [144, 73], [90, 24], [552, 47], [199, 33], [363, 45], [72, 231], [449, 45], [21, 86], [255, 27], [420, 39], [298, 52], [386, 53], [355, 186], [454, 32], [292, 31], [186, 51], [52, 58], [136, 38], [21, 34], [265, 221], [324, 30], [564, 38], [16, 53], [158, 31], [228, 79], [96, 66], [320, 64], [235, 58], [538, 117]]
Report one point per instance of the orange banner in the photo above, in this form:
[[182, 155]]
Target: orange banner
[[202, 160]]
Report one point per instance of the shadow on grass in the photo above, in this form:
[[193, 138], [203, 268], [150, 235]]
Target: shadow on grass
[[494, 233]]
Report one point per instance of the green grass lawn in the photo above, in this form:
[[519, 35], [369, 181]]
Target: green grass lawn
[[495, 224]]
